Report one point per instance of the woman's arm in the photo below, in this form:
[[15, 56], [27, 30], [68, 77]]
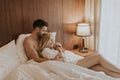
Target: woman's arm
[[59, 56]]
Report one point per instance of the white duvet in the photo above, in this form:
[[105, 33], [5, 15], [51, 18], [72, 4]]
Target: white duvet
[[14, 67], [54, 70]]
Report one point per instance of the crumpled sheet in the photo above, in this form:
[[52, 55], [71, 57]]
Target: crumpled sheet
[[54, 70]]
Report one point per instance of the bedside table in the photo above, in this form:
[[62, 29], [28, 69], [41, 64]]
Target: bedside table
[[90, 52]]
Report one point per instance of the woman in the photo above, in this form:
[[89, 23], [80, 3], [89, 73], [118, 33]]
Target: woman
[[49, 49], [95, 62]]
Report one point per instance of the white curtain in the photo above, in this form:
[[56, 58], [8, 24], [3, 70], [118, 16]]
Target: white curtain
[[89, 18], [92, 8], [109, 40]]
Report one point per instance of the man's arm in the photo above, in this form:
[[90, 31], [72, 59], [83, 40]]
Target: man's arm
[[31, 52]]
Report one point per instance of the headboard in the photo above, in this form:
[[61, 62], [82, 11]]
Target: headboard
[[4, 40], [17, 16]]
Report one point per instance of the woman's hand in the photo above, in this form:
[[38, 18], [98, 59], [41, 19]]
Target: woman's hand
[[58, 47], [59, 57]]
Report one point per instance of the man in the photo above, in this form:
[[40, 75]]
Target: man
[[31, 42]]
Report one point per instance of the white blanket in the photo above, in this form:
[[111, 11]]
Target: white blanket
[[54, 70]]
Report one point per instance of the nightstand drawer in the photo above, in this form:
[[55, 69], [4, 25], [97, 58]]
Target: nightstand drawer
[[90, 52]]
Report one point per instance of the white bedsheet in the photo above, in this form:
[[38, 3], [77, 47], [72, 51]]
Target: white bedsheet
[[54, 70]]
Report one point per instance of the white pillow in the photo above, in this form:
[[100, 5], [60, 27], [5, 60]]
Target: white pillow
[[8, 59], [20, 47], [53, 35]]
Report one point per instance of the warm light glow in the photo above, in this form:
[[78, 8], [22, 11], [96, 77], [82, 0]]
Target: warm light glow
[[83, 29]]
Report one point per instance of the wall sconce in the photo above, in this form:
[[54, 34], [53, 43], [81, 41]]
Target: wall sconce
[[83, 30]]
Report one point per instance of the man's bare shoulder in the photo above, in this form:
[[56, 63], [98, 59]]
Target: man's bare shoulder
[[28, 41]]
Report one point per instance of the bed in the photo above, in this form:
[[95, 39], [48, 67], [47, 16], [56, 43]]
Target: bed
[[15, 66]]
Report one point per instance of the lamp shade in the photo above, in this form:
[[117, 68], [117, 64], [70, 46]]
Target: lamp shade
[[83, 30]]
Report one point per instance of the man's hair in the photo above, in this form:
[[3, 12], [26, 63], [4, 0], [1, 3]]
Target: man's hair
[[39, 23]]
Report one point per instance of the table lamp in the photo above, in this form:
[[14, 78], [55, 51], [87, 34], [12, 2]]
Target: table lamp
[[83, 30]]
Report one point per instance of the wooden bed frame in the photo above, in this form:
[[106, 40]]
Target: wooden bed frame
[[8, 38]]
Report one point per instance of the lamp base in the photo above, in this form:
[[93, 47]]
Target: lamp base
[[84, 50]]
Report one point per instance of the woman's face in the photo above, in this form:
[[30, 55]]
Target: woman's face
[[50, 42]]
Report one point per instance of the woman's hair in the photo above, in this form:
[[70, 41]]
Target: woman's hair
[[44, 41]]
